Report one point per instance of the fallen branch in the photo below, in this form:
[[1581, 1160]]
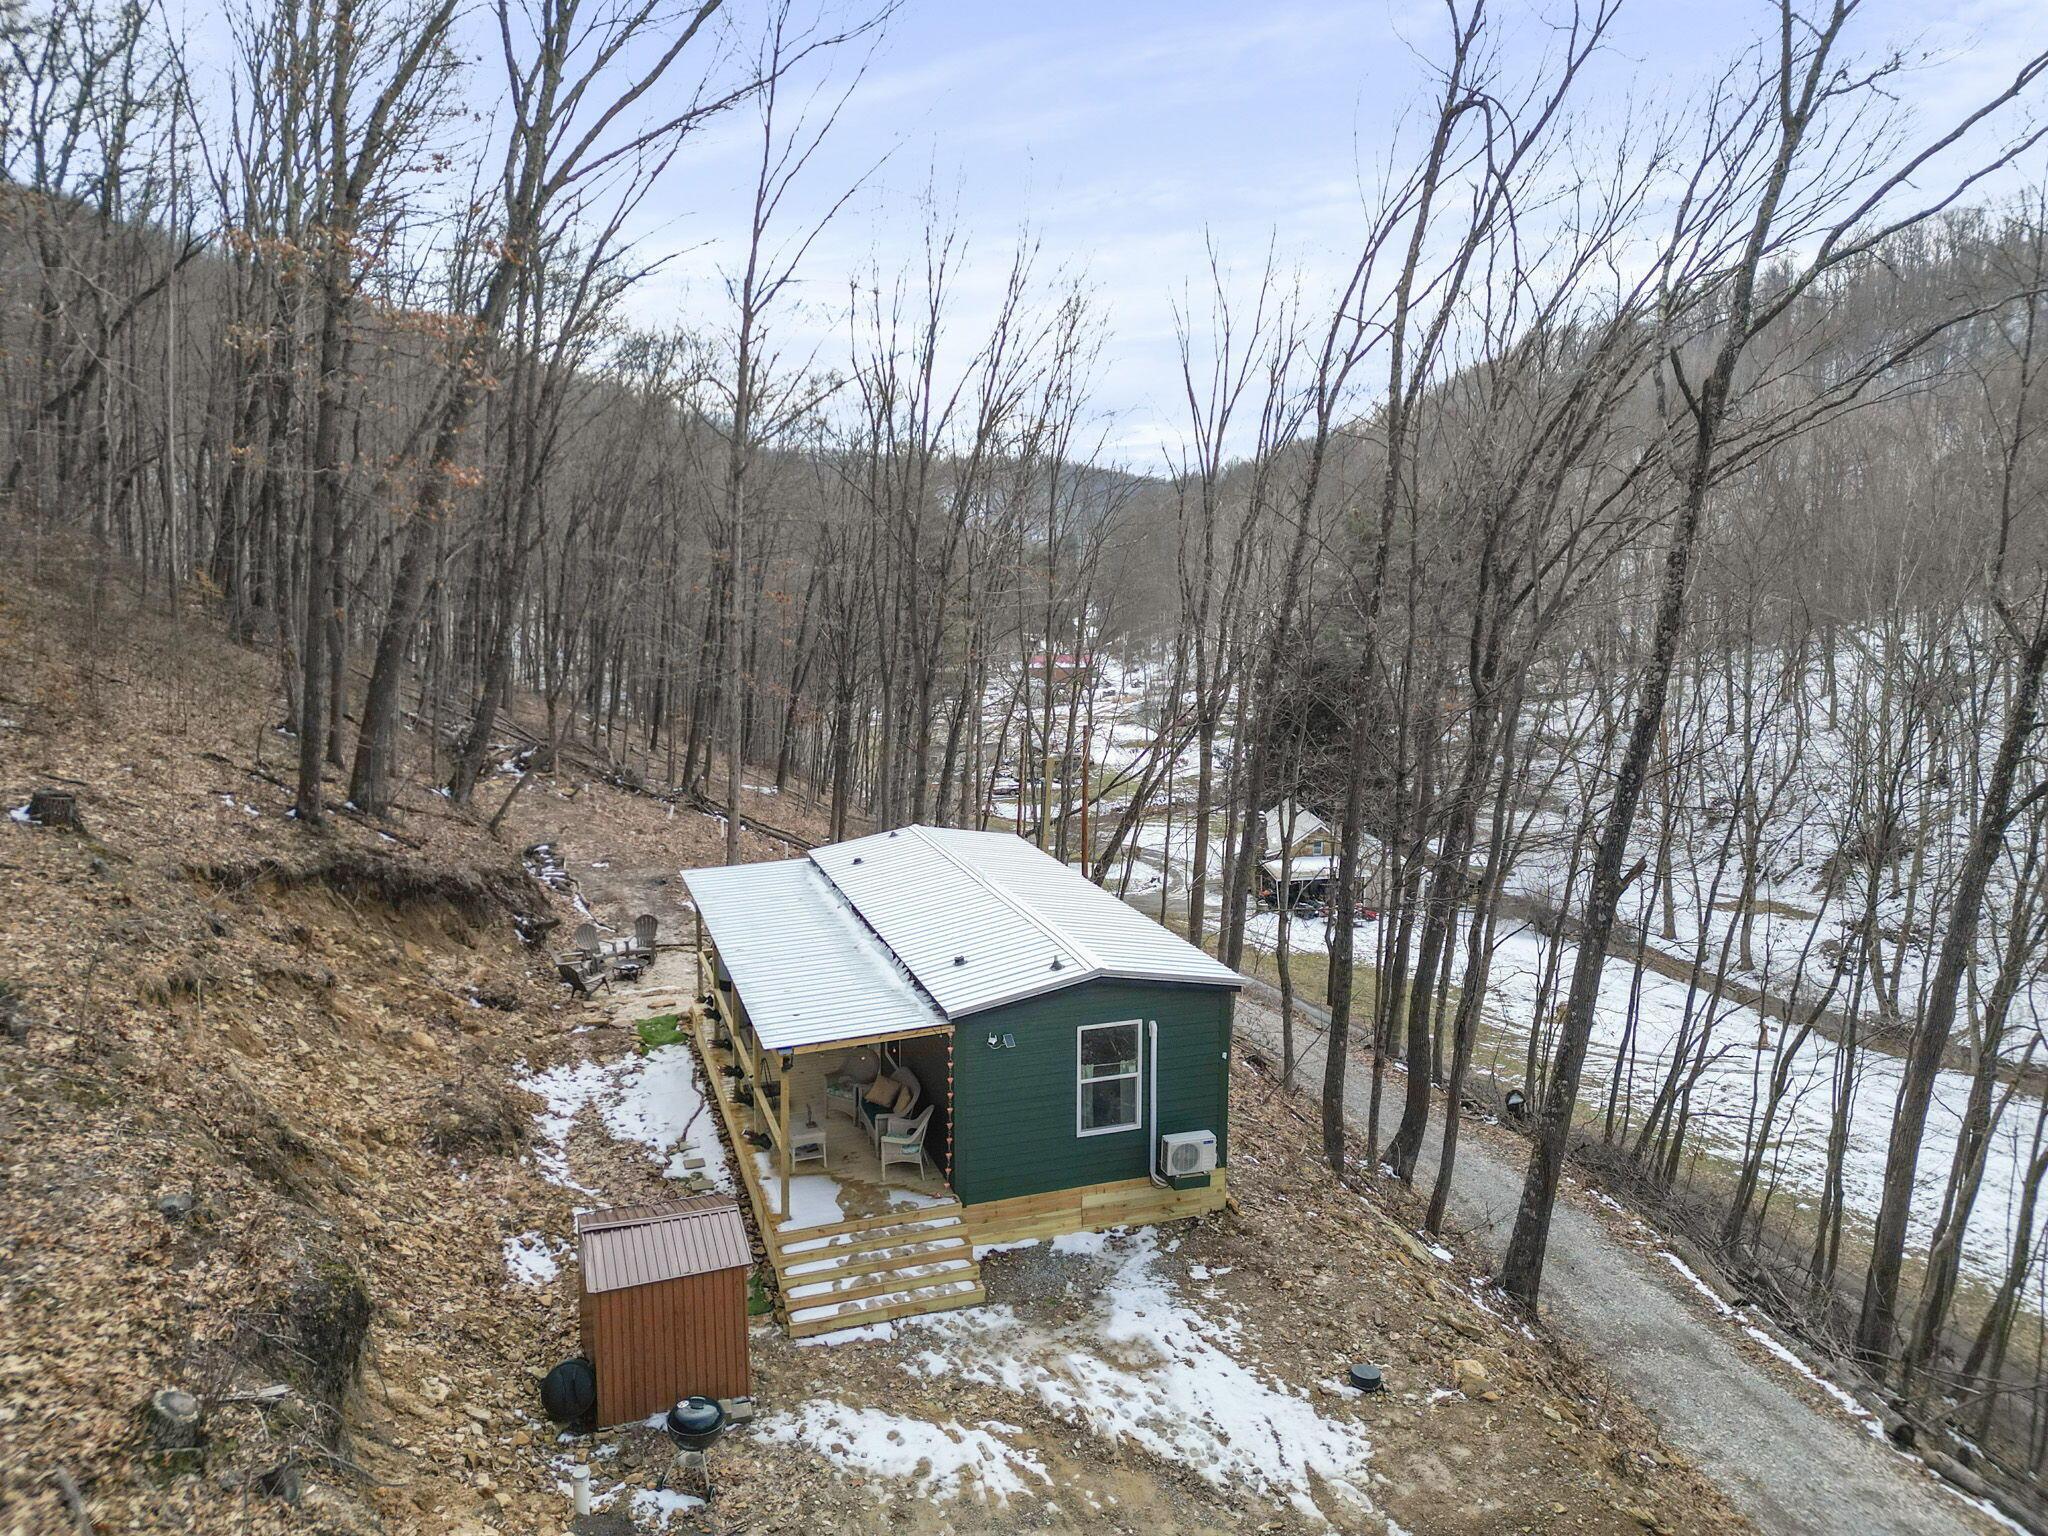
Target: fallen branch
[[74, 1501]]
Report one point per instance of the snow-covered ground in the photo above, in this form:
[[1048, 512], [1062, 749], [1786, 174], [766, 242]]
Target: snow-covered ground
[[1808, 781], [1736, 1083], [652, 1101], [532, 1258], [1134, 1364], [931, 1461], [1794, 769]]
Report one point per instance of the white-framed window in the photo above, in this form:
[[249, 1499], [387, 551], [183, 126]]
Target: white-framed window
[[1107, 1092]]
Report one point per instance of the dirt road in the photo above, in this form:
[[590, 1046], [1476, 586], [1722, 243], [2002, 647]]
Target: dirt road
[[1789, 1466]]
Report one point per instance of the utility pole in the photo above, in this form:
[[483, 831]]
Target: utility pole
[[1045, 787], [1087, 791], [1045, 794]]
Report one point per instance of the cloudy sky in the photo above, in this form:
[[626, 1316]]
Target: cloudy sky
[[1121, 133]]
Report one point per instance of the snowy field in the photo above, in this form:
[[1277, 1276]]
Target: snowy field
[[1735, 1084], [1791, 774], [1803, 780]]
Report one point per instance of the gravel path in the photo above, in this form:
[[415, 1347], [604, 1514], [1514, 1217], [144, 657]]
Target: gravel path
[[1789, 1466]]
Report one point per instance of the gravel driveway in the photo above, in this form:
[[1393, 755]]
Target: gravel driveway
[[1789, 1466]]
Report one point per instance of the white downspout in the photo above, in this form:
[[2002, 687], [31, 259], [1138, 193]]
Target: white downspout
[[1152, 1094]]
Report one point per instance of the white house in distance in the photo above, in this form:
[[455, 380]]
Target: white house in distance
[[1308, 861]]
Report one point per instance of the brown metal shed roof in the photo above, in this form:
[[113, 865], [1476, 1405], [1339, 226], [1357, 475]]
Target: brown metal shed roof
[[665, 1240]]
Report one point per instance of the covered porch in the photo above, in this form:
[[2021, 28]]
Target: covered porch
[[796, 1119]]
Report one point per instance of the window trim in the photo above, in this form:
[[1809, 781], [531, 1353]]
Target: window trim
[[1082, 1084]]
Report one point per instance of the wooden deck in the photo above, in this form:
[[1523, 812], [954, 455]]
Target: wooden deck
[[1092, 1208]]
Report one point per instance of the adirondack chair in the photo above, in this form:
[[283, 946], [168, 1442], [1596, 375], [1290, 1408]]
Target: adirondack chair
[[903, 1141], [583, 977], [585, 938], [644, 928]]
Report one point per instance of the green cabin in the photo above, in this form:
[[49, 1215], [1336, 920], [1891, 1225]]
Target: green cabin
[[929, 1040]]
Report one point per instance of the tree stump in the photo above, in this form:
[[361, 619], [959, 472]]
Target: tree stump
[[54, 808], [176, 1426]]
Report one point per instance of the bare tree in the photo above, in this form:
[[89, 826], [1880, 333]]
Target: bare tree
[[1757, 196]]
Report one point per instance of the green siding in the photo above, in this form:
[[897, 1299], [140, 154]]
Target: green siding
[[1013, 1109]]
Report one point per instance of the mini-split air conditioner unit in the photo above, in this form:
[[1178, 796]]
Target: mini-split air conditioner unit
[[1182, 1154]]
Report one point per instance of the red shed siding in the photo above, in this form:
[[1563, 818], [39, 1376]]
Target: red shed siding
[[653, 1344]]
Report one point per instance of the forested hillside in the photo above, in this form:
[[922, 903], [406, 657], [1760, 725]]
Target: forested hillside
[[1634, 549]]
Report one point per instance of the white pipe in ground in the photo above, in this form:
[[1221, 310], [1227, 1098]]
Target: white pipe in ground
[[579, 1489]]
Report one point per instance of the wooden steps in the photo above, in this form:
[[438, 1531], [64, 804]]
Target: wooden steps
[[861, 1225], [885, 1282], [847, 1245], [801, 1269], [913, 1259], [900, 1262], [804, 1325], [874, 1269]]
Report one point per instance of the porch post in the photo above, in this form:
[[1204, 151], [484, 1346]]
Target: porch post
[[782, 1112]]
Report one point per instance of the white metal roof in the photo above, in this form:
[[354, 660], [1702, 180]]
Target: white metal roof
[[980, 919], [902, 932], [1304, 867], [808, 969], [1307, 824]]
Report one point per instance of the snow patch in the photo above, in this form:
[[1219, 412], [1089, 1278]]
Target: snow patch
[[1138, 1366], [653, 1101], [658, 1506], [532, 1259], [653, 1508], [864, 1333], [1692, 1278], [938, 1461], [1850, 1405]]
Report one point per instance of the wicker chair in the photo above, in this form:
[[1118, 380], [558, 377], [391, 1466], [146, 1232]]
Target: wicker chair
[[902, 1141]]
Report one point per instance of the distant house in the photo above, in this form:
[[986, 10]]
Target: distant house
[[1311, 866], [1313, 838], [1063, 666], [1060, 1062], [1304, 870]]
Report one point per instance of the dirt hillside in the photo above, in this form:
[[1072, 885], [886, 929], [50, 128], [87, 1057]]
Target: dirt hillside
[[261, 1141]]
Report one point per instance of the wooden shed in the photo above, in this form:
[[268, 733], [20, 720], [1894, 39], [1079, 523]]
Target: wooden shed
[[664, 1303]]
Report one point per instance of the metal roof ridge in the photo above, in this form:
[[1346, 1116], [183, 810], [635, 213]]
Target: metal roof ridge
[[851, 908], [1090, 961]]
